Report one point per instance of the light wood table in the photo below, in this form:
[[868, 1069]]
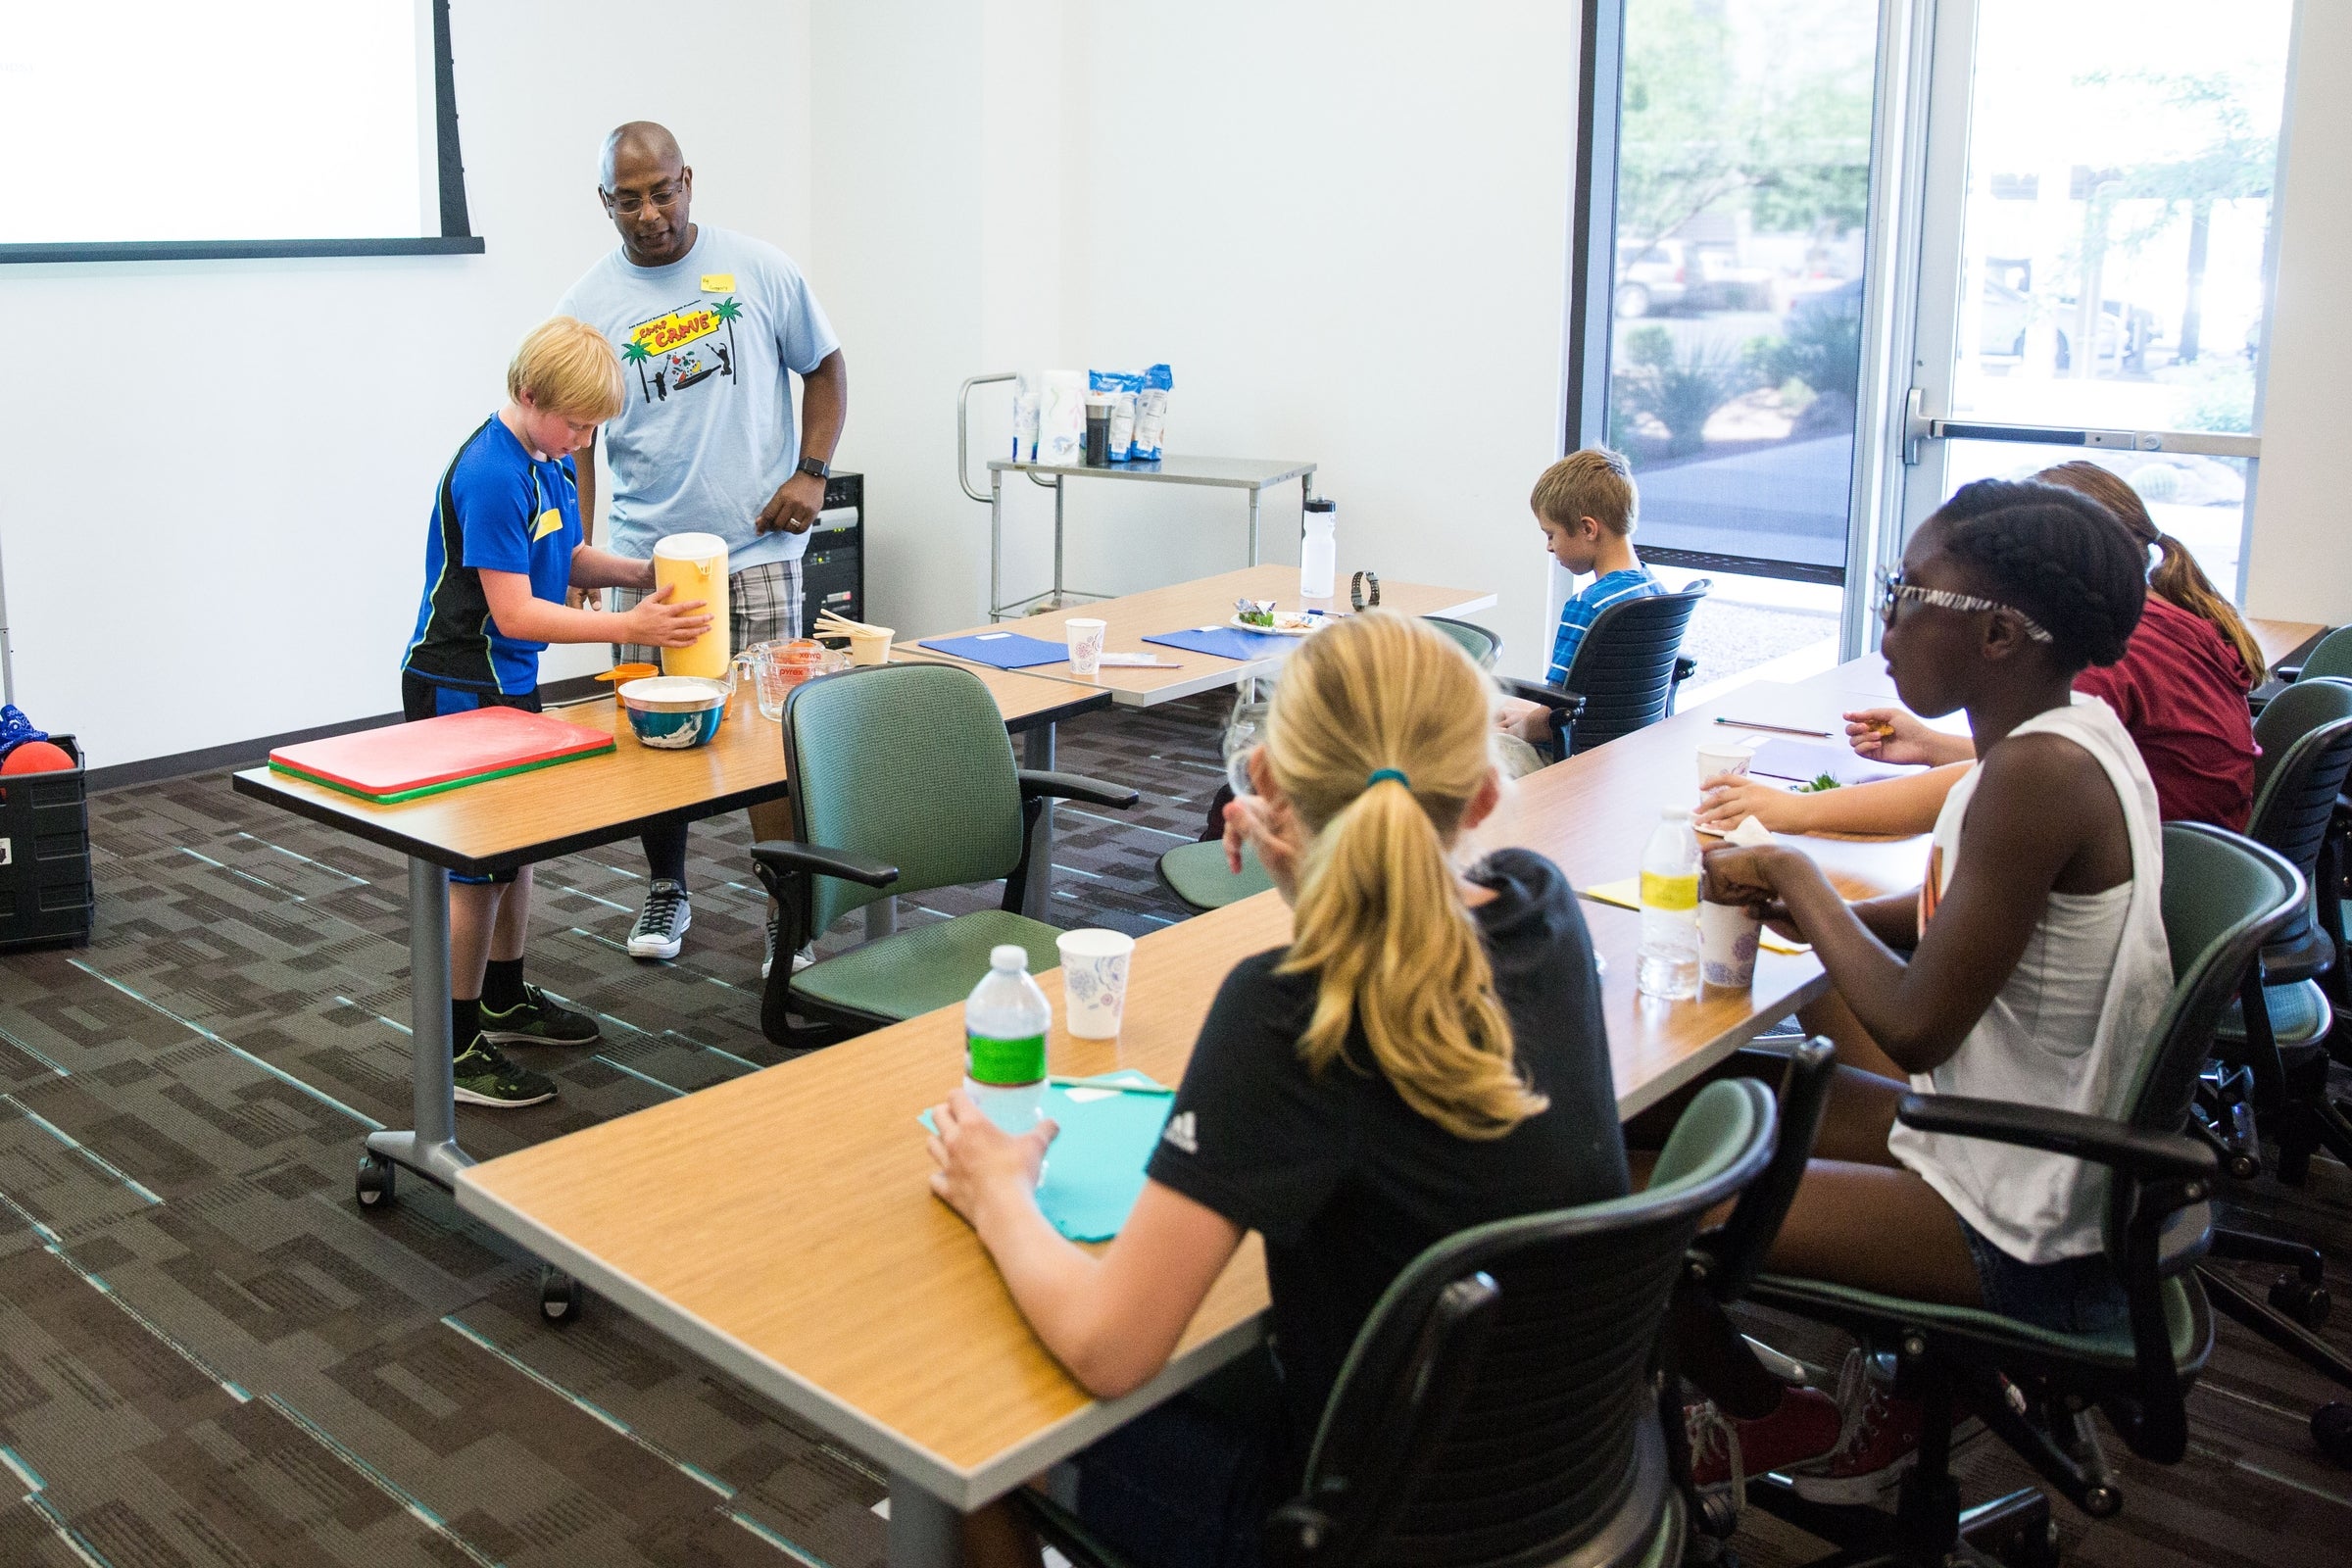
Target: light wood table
[[1204, 602], [780, 1224], [2278, 638], [527, 817]]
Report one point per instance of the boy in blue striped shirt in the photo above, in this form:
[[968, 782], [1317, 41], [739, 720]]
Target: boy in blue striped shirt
[[1586, 505]]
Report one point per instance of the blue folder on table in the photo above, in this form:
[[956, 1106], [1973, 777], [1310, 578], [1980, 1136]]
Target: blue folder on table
[[1094, 1170], [1227, 642], [1005, 650]]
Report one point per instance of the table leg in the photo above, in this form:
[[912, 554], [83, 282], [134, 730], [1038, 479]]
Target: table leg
[[1253, 496], [924, 1532], [1057, 602], [996, 543], [1036, 753], [430, 1148]]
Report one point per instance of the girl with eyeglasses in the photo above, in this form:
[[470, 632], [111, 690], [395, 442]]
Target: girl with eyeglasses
[[2030, 965], [2180, 689]]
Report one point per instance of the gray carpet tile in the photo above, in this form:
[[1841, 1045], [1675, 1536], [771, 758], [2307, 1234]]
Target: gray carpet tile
[[210, 1355]]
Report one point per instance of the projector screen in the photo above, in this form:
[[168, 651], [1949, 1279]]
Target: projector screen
[[229, 128]]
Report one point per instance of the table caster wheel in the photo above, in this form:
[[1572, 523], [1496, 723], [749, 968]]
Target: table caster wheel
[[2300, 1300], [377, 1180], [560, 1295]]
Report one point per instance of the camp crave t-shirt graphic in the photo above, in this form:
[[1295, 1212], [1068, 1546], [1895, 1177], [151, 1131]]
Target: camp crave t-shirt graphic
[[708, 347], [683, 347]]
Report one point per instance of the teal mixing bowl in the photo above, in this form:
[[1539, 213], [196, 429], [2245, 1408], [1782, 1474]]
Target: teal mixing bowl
[[672, 712]]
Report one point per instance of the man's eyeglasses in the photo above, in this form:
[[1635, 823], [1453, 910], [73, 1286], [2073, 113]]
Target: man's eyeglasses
[[1892, 591], [630, 204]]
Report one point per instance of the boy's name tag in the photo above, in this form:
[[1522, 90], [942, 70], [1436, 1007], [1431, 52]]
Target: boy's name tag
[[718, 282]]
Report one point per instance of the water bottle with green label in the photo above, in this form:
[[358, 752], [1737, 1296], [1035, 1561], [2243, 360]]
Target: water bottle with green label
[[1006, 1021], [1669, 965]]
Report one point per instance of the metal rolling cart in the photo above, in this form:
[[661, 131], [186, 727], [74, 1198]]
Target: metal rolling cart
[[1250, 474]]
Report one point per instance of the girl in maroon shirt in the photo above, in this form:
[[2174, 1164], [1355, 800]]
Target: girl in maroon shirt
[[2180, 689]]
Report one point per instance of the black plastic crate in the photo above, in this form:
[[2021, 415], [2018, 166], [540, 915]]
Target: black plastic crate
[[46, 892]]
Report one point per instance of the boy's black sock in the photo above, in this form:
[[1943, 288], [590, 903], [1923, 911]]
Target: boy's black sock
[[666, 852], [502, 985], [464, 1023]]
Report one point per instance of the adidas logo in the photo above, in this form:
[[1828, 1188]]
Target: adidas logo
[[1179, 1131]]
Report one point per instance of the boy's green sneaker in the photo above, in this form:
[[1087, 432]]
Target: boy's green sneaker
[[538, 1019], [485, 1077]]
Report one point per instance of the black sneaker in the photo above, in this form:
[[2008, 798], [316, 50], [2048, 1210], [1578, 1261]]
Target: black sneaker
[[485, 1077], [661, 928], [538, 1019]]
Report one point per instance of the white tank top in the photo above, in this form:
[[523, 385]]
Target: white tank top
[[2069, 1028]]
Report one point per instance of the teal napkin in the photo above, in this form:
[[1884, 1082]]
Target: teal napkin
[[1094, 1170]]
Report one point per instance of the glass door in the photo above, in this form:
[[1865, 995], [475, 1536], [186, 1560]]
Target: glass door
[[2094, 253]]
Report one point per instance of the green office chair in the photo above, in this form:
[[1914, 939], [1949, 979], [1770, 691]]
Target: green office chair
[[2332, 658], [1479, 643], [902, 780], [1498, 1406], [1197, 873], [2224, 897]]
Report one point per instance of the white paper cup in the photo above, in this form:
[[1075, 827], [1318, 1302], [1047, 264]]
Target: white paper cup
[[1723, 757], [1727, 945], [1094, 980], [1086, 644], [871, 646]]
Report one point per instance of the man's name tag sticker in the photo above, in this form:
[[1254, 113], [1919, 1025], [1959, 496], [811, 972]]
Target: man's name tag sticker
[[718, 282]]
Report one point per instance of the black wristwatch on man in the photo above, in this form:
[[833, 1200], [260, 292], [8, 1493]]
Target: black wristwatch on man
[[817, 467]]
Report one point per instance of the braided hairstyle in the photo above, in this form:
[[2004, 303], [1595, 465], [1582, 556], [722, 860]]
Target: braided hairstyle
[[2054, 554]]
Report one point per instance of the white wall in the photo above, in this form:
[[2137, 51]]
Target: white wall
[[1345, 225], [217, 473], [2299, 564]]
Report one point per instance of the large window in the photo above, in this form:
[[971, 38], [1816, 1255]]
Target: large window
[[1728, 188], [159, 128], [2093, 258]]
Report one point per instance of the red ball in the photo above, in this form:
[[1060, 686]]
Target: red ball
[[36, 757]]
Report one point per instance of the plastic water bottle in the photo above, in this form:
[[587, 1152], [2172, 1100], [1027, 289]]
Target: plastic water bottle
[[1006, 1020], [1668, 967], [1318, 552]]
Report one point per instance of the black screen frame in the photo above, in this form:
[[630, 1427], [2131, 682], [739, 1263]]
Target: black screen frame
[[457, 237]]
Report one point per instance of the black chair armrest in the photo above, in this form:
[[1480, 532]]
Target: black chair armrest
[[1729, 1256], [1552, 697], [1039, 785], [1685, 667], [2142, 1156], [783, 855]]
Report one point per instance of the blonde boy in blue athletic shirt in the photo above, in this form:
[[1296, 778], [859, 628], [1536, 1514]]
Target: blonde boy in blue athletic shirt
[[1586, 505], [503, 550]]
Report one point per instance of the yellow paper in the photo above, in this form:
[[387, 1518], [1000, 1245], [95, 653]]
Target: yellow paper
[[718, 282], [1626, 895], [550, 521]]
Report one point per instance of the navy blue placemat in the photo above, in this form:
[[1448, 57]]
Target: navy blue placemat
[[1226, 642], [1005, 650]]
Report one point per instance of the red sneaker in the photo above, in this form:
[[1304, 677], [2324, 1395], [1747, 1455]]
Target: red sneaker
[[1878, 1441], [1724, 1453]]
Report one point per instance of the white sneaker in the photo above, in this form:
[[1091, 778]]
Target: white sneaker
[[661, 928], [767, 953]]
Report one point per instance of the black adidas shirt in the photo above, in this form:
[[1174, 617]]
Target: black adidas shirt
[[1348, 1184]]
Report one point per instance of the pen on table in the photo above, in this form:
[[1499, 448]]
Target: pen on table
[[1776, 729]]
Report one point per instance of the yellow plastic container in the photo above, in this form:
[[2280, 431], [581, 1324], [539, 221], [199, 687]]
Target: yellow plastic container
[[694, 566]]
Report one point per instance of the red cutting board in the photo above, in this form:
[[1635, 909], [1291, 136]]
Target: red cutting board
[[402, 762]]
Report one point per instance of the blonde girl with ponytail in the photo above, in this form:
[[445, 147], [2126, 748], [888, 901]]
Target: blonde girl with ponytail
[[1426, 1055]]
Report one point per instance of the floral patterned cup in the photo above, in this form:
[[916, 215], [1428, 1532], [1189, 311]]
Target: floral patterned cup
[[1094, 980]]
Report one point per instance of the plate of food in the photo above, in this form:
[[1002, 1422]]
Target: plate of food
[[1260, 616]]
